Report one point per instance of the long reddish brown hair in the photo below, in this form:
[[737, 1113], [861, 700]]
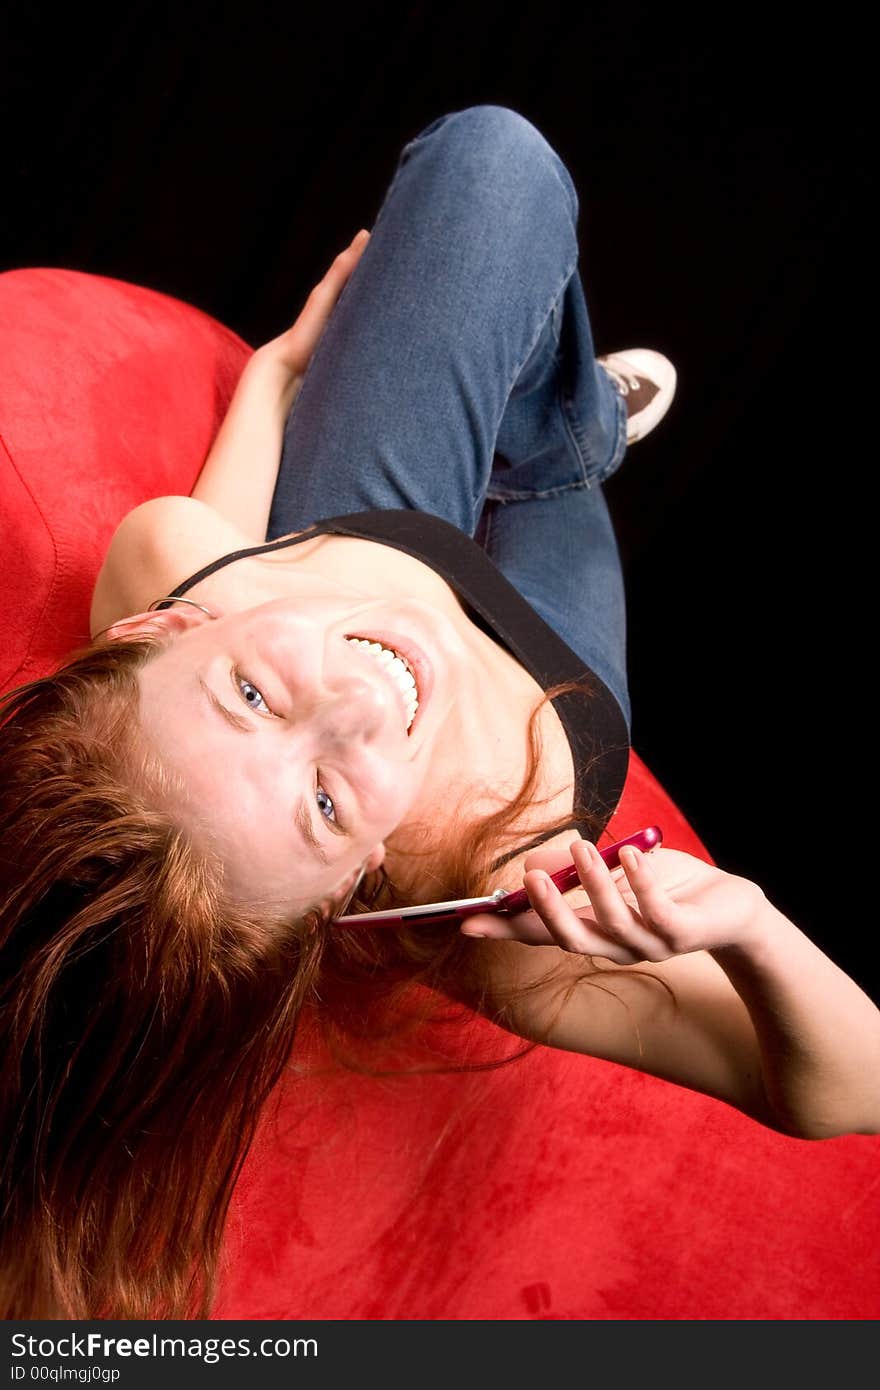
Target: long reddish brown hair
[[138, 1003]]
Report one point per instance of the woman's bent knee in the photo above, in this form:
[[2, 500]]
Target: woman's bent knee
[[498, 144]]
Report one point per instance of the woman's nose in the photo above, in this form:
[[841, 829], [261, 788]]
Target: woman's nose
[[354, 709], [349, 702], [344, 691]]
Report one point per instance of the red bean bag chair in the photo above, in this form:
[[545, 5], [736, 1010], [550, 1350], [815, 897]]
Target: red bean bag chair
[[558, 1186]]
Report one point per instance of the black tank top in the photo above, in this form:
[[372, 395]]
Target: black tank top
[[594, 723]]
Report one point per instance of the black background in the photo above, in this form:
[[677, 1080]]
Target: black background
[[225, 153]]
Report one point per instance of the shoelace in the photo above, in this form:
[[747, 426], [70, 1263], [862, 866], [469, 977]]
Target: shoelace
[[624, 384]]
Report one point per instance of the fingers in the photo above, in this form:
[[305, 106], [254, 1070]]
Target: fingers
[[600, 929], [354, 248], [324, 295], [343, 264], [307, 330], [627, 923], [616, 925], [294, 348], [547, 859], [655, 905], [525, 926]]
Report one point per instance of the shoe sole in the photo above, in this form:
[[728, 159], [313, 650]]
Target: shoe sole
[[646, 362]]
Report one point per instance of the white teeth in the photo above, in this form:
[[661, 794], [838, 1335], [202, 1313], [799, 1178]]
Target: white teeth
[[402, 672], [397, 667]]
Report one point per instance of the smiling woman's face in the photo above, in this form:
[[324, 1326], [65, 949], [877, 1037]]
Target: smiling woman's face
[[292, 739]]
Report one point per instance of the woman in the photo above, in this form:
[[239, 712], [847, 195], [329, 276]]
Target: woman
[[377, 657]]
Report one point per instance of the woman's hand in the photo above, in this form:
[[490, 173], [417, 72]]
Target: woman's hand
[[293, 348], [239, 475], [665, 903]]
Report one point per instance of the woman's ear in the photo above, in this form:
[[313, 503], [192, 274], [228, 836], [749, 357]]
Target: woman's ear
[[374, 859], [168, 620], [344, 890]]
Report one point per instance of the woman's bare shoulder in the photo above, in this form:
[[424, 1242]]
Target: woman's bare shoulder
[[154, 547]]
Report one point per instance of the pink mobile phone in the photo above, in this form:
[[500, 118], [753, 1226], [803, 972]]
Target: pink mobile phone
[[507, 903]]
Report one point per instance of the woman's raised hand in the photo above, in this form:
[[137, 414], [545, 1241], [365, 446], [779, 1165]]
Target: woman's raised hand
[[294, 347], [661, 904]]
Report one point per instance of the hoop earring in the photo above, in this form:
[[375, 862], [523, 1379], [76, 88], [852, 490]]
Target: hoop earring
[[151, 609], [181, 599]]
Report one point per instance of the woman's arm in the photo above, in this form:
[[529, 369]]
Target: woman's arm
[[238, 477], [819, 1032], [765, 1020]]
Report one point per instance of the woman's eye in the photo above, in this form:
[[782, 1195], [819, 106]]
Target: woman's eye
[[325, 805], [251, 695]]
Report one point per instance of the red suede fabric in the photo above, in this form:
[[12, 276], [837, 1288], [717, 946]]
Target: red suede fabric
[[555, 1187], [109, 394]]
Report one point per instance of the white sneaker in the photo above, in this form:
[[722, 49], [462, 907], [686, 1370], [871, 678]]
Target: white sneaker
[[646, 379]]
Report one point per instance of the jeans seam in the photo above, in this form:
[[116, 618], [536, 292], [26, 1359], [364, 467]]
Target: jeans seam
[[550, 492], [570, 423], [543, 324], [525, 496], [592, 474], [620, 444]]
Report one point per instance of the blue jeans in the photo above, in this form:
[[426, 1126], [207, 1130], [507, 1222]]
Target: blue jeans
[[456, 375]]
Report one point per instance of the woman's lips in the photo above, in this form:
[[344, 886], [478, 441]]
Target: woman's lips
[[422, 669]]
